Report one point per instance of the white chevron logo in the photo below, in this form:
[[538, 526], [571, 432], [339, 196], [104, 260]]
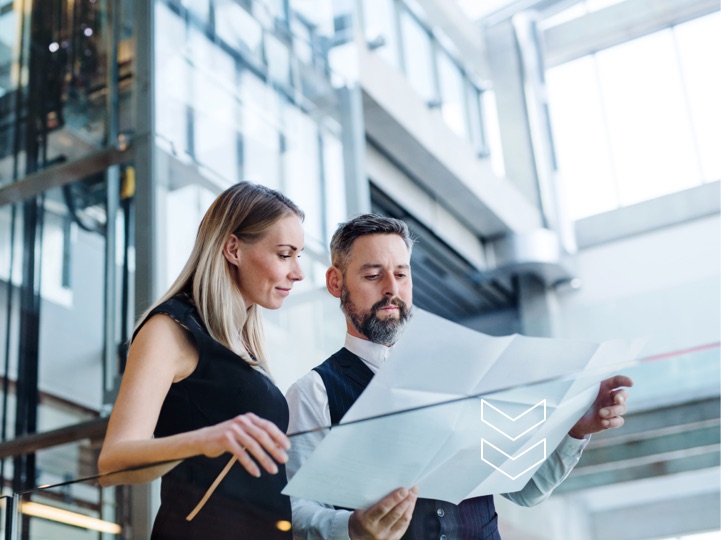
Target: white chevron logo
[[490, 456], [506, 425]]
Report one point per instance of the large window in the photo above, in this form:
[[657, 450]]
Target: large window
[[400, 29], [639, 120]]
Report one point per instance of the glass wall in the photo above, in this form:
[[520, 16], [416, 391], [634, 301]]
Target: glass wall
[[66, 92], [400, 33], [625, 134], [243, 92]]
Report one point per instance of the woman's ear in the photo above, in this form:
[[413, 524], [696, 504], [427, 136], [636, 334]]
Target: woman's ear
[[334, 281], [231, 250]]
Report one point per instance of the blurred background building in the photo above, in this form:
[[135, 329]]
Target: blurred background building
[[558, 161]]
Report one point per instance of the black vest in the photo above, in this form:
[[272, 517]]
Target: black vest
[[345, 376]]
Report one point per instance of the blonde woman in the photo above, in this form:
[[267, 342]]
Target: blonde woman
[[196, 386]]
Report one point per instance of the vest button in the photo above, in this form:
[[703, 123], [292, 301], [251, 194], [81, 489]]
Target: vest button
[[440, 512], [442, 537]]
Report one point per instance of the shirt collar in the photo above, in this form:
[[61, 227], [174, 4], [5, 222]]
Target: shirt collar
[[373, 355]]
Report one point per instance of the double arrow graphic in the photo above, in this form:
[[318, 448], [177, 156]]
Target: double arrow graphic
[[513, 428]]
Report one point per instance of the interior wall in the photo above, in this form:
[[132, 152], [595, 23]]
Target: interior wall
[[663, 285]]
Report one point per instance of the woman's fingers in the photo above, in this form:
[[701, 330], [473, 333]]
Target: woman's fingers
[[261, 439]]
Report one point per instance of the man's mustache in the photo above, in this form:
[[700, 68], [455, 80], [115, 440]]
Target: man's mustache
[[400, 304]]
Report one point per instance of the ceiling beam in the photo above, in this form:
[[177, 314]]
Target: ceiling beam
[[617, 24]]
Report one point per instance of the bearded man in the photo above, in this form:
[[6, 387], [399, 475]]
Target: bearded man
[[371, 275]]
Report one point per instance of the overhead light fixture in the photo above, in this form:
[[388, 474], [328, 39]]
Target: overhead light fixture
[[68, 518]]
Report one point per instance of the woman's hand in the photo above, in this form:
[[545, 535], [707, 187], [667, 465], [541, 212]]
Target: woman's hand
[[244, 436]]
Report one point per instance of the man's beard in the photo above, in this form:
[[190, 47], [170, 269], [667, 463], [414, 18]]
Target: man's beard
[[382, 331]]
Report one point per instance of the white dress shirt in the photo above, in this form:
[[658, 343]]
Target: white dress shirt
[[308, 404]]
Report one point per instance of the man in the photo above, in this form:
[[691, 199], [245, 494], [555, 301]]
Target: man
[[371, 275]]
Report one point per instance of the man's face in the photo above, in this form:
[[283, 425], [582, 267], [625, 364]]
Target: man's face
[[376, 289]]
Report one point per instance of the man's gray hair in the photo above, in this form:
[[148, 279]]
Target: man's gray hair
[[365, 224]]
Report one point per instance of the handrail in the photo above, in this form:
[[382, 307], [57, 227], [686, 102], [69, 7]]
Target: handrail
[[27, 444]]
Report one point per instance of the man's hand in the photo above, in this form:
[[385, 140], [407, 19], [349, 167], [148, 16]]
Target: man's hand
[[606, 412], [387, 519]]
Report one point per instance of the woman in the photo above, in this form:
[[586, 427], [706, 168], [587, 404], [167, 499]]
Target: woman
[[196, 386]]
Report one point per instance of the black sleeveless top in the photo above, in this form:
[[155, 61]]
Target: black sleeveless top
[[345, 376], [222, 386]]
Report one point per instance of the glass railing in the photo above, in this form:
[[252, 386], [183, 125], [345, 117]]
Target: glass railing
[[459, 444]]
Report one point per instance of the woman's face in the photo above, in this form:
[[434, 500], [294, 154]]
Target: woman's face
[[269, 267]]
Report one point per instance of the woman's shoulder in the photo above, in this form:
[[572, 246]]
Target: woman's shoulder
[[180, 304], [179, 308]]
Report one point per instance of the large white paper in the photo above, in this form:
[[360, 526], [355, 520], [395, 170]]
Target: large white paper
[[526, 395]]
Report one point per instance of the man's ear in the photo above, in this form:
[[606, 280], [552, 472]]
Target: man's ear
[[334, 281], [231, 250]]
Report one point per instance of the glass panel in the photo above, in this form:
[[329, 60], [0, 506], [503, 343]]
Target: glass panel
[[199, 9], [72, 304], [635, 135], [418, 56], [260, 113], [213, 99], [302, 41], [648, 125], [126, 67], [58, 56], [579, 133], [301, 167], [172, 77], [379, 19], [335, 190], [238, 29], [670, 438], [475, 118], [72, 505], [278, 55], [695, 40], [489, 114], [9, 26], [453, 95]]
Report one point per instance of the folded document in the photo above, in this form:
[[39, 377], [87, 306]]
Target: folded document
[[459, 414]]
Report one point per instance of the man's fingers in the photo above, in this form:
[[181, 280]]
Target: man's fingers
[[620, 396], [395, 517], [618, 381], [613, 422], [401, 525], [380, 509]]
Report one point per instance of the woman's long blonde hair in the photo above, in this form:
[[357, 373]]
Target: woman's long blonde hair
[[246, 210]]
